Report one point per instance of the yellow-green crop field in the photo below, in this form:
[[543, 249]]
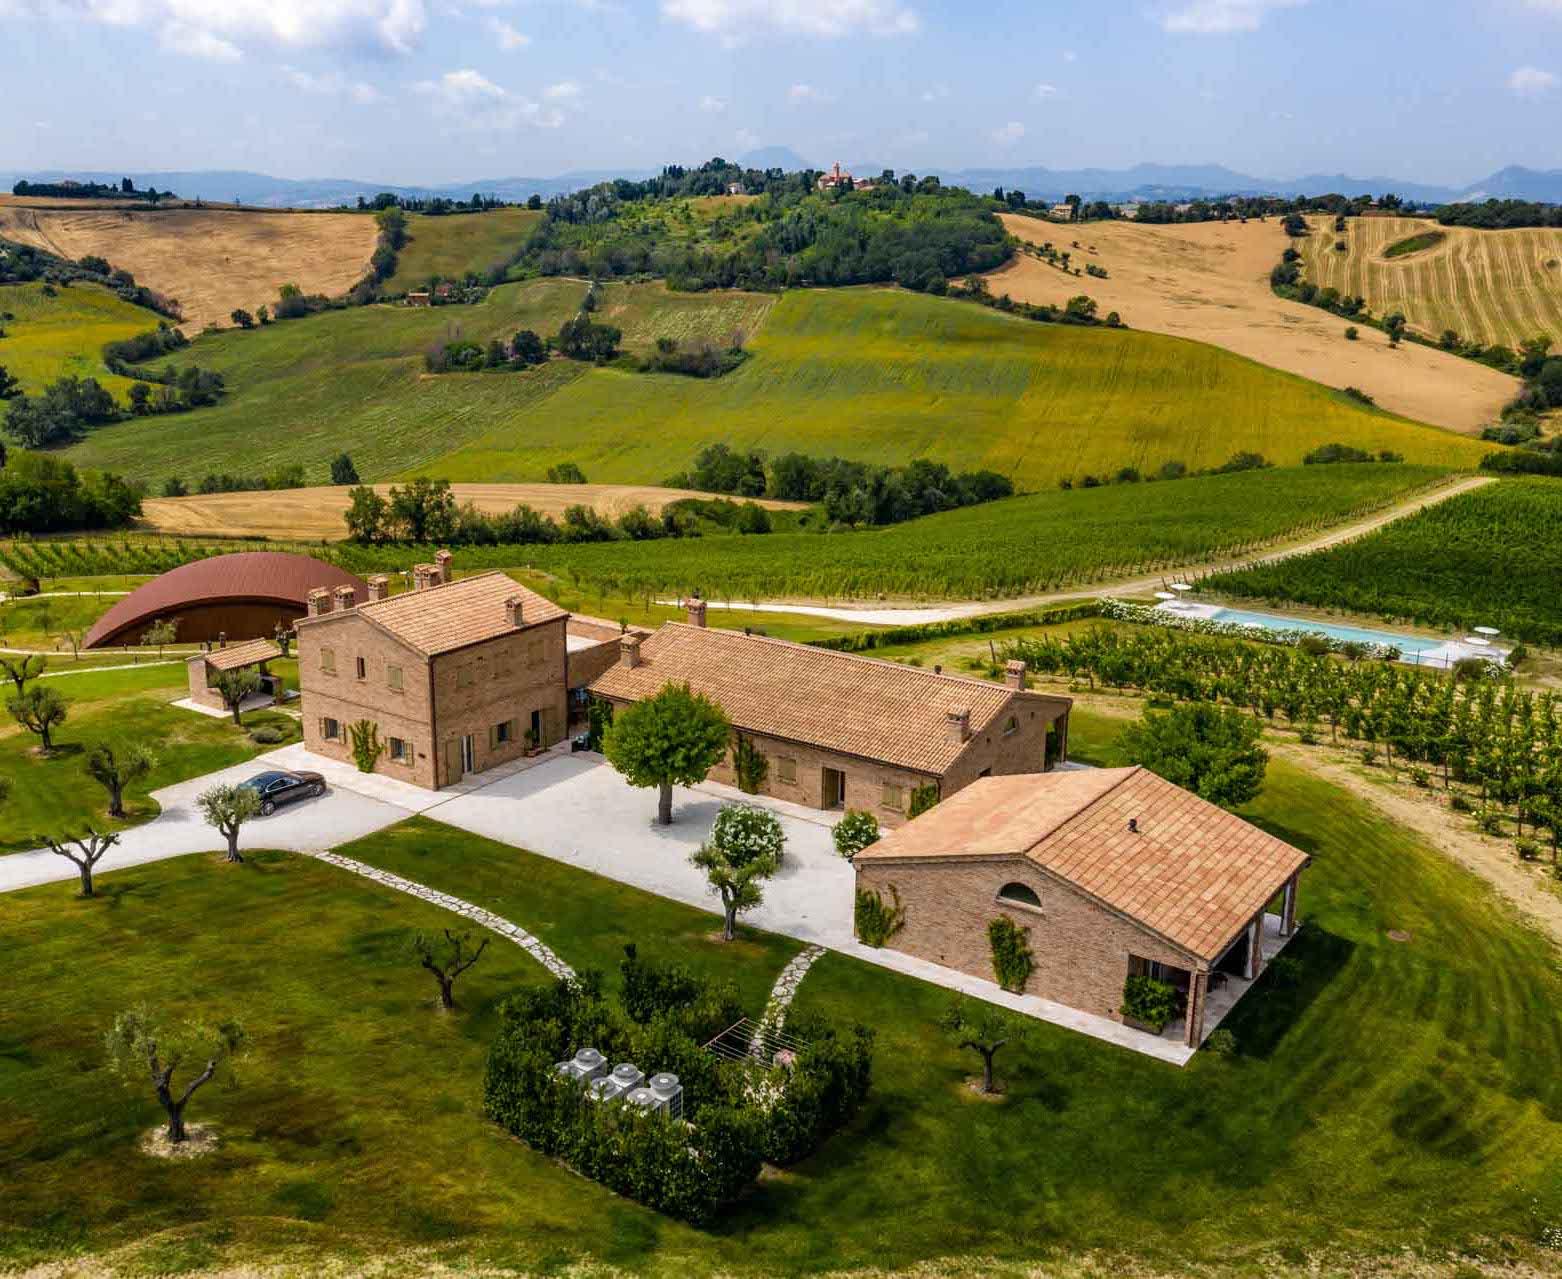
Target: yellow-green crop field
[[453, 244], [48, 338], [1491, 286]]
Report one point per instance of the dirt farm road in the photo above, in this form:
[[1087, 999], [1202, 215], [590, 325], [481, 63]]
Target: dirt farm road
[[892, 615]]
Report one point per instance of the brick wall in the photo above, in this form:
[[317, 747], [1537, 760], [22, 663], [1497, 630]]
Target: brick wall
[[865, 780], [201, 692], [1081, 950]]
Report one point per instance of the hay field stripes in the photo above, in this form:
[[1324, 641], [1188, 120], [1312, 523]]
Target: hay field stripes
[[646, 312], [317, 514], [1493, 286], [211, 260]]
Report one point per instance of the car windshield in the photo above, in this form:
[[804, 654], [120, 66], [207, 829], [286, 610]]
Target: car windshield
[[263, 780]]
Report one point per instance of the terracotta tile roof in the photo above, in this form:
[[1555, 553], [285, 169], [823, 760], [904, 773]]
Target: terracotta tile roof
[[441, 618], [834, 701], [246, 654], [1192, 873]]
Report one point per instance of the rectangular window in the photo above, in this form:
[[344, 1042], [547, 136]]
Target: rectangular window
[[328, 660], [400, 750], [1013, 726], [331, 729], [786, 769], [393, 677], [894, 797], [363, 668], [504, 732]]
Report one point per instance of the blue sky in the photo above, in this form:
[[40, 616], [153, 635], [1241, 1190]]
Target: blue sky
[[444, 90]]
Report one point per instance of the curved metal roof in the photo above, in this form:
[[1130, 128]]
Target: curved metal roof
[[245, 577]]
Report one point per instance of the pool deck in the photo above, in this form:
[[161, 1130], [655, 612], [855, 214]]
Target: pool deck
[[1441, 654]]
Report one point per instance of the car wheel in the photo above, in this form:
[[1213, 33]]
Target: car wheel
[[317, 790], [267, 808]]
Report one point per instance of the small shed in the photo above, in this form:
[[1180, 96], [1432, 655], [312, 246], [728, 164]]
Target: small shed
[[419, 298], [204, 669]]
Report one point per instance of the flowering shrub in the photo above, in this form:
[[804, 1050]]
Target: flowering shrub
[[855, 831]]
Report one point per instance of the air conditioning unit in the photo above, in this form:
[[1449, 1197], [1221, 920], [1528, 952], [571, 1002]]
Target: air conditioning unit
[[627, 1075], [643, 1098], [586, 1065], [604, 1088], [668, 1093]]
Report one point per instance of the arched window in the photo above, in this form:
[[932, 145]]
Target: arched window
[[1020, 895]]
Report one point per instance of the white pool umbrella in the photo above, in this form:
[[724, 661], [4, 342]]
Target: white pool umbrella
[[1164, 595], [1480, 641], [1487, 630]]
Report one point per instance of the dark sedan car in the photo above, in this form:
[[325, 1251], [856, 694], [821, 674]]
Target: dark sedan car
[[281, 786]]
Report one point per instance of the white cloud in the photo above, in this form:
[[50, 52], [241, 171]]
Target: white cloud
[[563, 91], [332, 84], [508, 37], [735, 19], [1070, 56], [713, 106], [808, 93], [176, 37], [1532, 82], [1007, 135], [1046, 91], [1217, 17], [222, 29], [475, 101], [935, 92]]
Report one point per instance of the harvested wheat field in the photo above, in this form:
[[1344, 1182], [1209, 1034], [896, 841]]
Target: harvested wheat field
[[1492, 286], [311, 514], [1209, 281], [211, 260]]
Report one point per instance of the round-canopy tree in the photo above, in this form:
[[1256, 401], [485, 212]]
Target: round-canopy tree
[[1210, 750], [676, 737]]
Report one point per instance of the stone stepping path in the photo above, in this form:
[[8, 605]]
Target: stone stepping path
[[782, 993], [486, 918]]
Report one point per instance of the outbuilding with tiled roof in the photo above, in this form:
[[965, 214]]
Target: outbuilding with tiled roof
[[840, 730], [1113, 873]]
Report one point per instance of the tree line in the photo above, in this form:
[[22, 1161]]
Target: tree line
[[41, 494], [24, 264], [1496, 215]]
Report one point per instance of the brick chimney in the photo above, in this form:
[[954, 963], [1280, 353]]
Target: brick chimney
[[696, 608], [222, 639], [1014, 674], [346, 598], [515, 608], [957, 723], [319, 601], [629, 651], [442, 566], [423, 576], [379, 587]]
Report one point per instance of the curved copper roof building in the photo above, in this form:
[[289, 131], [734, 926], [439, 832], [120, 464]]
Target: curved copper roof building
[[242, 596]]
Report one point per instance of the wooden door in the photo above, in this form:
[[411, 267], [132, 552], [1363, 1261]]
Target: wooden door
[[453, 772], [833, 788]]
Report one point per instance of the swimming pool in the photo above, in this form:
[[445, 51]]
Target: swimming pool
[[1410, 646]]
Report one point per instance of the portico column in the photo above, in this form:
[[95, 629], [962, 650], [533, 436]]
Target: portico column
[[1255, 947], [1288, 909], [1194, 1029]]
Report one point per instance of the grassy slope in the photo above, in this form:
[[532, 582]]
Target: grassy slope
[[1492, 286], [1043, 541], [886, 376], [49, 338], [450, 246], [1392, 1073], [55, 796], [1492, 556]]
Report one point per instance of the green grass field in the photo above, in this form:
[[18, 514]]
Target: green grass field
[[875, 374], [54, 796], [451, 245], [1045, 541], [1489, 557], [48, 338], [887, 376], [1389, 1074]]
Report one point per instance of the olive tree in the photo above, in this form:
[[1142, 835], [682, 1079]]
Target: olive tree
[[234, 686], [984, 1029], [116, 768], [39, 710], [228, 808], [89, 852], [447, 960], [140, 1045], [21, 670], [160, 634], [743, 851], [675, 737]]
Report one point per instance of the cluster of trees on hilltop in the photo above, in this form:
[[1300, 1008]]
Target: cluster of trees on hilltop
[[432, 206], [1262, 206], [852, 492], [1495, 215], [126, 190], [912, 232]]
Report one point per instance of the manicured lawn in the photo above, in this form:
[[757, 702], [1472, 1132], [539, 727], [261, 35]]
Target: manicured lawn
[[43, 621], [1401, 1095], [54, 795]]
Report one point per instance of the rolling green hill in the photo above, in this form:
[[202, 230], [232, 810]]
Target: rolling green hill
[[453, 244], [52, 337], [875, 374]]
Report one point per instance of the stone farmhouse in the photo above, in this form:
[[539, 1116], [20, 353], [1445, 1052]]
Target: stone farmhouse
[[456, 676], [838, 730], [1114, 872]]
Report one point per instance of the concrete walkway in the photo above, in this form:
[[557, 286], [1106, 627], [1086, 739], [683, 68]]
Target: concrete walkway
[[494, 923]]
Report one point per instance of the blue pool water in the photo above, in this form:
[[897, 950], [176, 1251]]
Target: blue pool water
[[1410, 646]]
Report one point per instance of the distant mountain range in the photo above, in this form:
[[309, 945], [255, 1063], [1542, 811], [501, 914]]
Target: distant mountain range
[[1142, 182]]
